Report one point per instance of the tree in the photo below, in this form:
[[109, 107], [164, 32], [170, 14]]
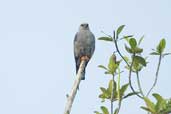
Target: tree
[[134, 64]]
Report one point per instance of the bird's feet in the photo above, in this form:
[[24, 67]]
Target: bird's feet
[[85, 58]]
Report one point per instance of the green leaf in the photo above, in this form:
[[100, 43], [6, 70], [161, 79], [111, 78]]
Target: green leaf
[[110, 86], [119, 30], [123, 89], [96, 112], [140, 40], [116, 111], [138, 50], [127, 39], [154, 53], [103, 89], [149, 104], [103, 67], [133, 50], [106, 38], [161, 103], [145, 108], [112, 66], [103, 96], [168, 110], [128, 36], [126, 58], [161, 46], [133, 43], [131, 94], [104, 110], [163, 43], [165, 54], [129, 50], [140, 60], [158, 97], [108, 72]]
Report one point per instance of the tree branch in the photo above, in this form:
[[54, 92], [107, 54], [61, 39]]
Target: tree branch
[[130, 66], [112, 94], [139, 84], [117, 49], [73, 92], [157, 73], [130, 82]]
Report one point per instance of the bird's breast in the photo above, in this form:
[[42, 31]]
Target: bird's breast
[[85, 38]]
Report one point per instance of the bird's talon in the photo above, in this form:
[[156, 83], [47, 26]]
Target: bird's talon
[[86, 58]]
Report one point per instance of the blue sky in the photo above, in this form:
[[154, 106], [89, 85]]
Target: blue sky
[[37, 67]]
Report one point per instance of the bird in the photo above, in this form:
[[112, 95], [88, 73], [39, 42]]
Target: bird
[[84, 46]]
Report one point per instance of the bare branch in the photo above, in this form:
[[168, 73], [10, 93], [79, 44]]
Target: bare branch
[[157, 73], [73, 92]]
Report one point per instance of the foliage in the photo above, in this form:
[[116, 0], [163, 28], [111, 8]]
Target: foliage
[[162, 106], [134, 62]]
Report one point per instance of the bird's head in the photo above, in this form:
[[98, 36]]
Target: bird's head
[[84, 26]]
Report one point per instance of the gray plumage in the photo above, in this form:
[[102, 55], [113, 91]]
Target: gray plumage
[[84, 45]]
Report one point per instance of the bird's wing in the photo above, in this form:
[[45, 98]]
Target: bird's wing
[[92, 44], [76, 52]]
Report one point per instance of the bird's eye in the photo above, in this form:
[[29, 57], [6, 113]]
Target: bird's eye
[[82, 25]]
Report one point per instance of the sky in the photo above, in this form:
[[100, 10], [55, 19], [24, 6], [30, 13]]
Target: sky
[[37, 67]]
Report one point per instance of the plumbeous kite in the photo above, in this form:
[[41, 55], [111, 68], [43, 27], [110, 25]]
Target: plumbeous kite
[[84, 46]]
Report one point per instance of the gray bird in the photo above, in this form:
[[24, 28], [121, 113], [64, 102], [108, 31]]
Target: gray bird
[[84, 46]]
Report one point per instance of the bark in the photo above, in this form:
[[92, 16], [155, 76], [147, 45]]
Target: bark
[[71, 96]]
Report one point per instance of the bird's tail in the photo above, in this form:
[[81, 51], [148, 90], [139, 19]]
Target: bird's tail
[[83, 76]]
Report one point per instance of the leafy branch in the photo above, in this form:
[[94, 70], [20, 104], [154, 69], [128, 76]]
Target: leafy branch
[[160, 52], [134, 65]]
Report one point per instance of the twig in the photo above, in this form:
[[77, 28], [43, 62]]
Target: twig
[[119, 106], [119, 96], [139, 84], [130, 66], [117, 49], [130, 82], [73, 92], [112, 94], [157, 73]]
